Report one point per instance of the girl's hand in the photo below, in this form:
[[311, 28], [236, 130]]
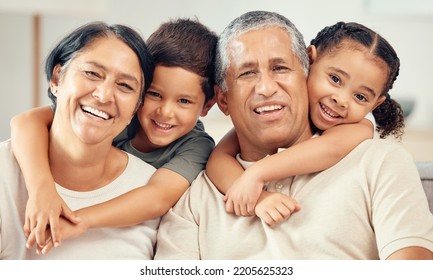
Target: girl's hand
[[274, 208], [43, 210], [242, 196]]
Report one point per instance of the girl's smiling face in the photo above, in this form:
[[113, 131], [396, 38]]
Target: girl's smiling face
[[344, 84]]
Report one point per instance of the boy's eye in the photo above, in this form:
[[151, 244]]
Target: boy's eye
[[153, 94], [184, 101], [335, 79]]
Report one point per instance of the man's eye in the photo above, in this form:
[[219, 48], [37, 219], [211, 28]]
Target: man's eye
[[247, 73]]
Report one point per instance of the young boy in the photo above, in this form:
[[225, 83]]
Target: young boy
[[165, 132]]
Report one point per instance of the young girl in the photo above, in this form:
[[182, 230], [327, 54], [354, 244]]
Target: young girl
[[165, 132], [352, 68]]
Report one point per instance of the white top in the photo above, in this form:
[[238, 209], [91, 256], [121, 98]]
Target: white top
[[134, 242]]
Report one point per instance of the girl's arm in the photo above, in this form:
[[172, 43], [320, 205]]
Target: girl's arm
[[222, 167], [29, 138], [310, 156]]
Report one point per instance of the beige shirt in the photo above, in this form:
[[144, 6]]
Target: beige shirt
[[367, 206]]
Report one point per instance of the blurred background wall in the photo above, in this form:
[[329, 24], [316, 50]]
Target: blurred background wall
[[29, 29]]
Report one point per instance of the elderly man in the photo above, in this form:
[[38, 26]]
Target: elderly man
[[370, 205]]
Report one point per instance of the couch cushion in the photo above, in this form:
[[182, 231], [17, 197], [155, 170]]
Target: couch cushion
[[425, 170]]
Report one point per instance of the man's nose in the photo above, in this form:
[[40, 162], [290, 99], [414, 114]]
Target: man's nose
[[266, 85]]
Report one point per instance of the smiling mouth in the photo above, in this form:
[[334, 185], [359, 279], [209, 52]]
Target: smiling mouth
[[328, 112], [95, 112], [164, 126], [267, 109]]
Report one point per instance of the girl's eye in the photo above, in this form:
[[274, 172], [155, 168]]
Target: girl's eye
[[361, 97], [335, 79]]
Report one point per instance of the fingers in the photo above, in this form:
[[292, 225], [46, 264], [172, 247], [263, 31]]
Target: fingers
[[31, 240], [55, 230], [69, 215]]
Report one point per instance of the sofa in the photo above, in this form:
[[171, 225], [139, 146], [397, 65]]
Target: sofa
[[425, 170]]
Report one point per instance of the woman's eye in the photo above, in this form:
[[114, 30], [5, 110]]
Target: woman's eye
[[126, 87], [247, 73], [92, 74], [280, 68]]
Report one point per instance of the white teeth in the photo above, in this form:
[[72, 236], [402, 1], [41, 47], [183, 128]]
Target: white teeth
[[95, 112], [268, 108], [163, 125], [327, 112]]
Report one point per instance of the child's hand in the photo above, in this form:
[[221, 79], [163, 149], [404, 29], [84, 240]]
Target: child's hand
[[44, 208], [242, 196], [274, 208], [66, 230]]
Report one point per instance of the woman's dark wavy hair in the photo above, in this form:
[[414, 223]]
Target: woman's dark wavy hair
[[389, 115], [81, 37]]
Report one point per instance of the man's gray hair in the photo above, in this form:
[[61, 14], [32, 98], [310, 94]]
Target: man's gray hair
[[256, 20]]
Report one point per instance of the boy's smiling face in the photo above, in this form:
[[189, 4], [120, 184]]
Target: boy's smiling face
[[171, 108]]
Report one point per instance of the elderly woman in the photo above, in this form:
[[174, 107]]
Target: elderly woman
[[97, 76]]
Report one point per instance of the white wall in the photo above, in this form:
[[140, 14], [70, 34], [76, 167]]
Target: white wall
[[410, 31]]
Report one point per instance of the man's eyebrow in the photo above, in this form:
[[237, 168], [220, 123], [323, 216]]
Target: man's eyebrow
[[345, 74], [123, 75]]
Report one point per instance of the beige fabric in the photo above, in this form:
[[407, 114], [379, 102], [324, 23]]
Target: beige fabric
[[365, 207]]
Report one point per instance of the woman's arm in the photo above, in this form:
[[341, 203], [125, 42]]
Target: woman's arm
[[29, 138]]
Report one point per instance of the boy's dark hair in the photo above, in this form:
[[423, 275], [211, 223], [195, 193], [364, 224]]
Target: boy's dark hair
[[389, 115], [187, 44]]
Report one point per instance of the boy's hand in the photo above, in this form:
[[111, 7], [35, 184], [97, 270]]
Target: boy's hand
[[274, 208], [66, 230], [42, 212], [242, 196]]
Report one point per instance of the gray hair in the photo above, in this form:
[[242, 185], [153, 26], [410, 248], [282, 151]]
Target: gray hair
[[250, 21]]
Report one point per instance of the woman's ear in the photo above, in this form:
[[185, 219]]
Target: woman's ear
[[312, 53], [54, 82], [221, 98]]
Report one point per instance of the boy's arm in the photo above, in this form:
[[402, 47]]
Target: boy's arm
[[164, 189], [29, 138]]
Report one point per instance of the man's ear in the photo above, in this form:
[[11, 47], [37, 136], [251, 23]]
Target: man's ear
[[207, 106], [54, 82], [221, 98], [312, 53]]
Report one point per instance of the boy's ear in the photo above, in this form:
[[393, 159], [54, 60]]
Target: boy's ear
[[207, 106], [221, 98], [312, 53]]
